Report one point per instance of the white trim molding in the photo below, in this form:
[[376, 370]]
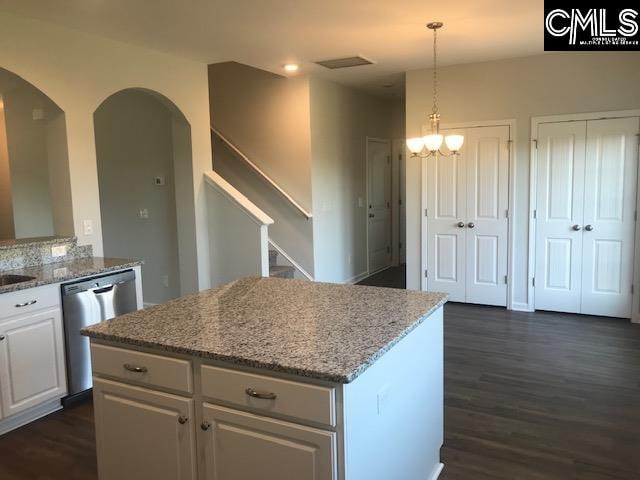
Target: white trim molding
[[533, 178]]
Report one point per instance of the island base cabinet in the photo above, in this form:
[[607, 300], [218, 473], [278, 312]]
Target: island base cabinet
[[242, 446], [143, 434]]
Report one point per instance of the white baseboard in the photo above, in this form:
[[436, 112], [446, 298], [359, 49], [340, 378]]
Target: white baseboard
[[29, 415], [357, 278], [436, 472], [521, 307]]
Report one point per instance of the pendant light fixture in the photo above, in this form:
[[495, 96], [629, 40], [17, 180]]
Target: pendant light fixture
[[430, 144]]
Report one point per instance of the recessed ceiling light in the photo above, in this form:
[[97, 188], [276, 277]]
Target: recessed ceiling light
[[291, 67]]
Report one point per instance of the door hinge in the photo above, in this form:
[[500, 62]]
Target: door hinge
[[400, 245], [506, 213], [632, 289], [506, 279], [426, 212], [400, 202], [426, 273], [400, 156], [388, 159], [535, 214], [635, 216], [533, 282], [388, 249], [388, 205], [535, 142]]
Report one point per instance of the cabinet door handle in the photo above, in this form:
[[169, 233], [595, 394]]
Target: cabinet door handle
[[182, 419], [2, 337], [135, 368], [252, 392], [589, 228], [205, 426], [460, 224], [577, 228], [471, 225], [26, 304]]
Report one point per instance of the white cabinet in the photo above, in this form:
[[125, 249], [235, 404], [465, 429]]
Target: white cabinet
[[466, 218], [32, 365], [241, 445], [143, 434]]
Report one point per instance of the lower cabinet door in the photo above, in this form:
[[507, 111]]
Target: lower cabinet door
[[32, 368], [242, 446], [142, 434]]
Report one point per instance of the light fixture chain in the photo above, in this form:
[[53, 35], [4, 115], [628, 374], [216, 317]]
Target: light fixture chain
[[434, 109]]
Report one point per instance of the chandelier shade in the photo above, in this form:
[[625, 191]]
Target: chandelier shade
[[431, 143]]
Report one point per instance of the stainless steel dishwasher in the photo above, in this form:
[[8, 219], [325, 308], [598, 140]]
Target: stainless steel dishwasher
[[85, 303]]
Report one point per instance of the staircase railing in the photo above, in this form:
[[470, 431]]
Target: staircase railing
[[260, 172]]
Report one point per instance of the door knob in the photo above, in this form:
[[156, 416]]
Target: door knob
[[577, 228], [471, 225], [589, 228], [460, 224], [371, 215], [205, 426], [182, 420]]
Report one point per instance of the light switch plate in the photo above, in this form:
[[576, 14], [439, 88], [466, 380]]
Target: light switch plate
[[59, 251]]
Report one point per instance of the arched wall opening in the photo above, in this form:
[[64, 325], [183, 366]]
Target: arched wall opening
[[35, 188], [144, 160]]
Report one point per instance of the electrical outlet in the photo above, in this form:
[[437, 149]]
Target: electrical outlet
[[383, 393], [144, 214], [60, 272], [158, 180], [59, 251], [165, 281], [88, 227]]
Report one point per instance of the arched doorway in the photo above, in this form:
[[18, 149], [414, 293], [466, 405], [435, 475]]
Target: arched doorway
[[143, 151], [35, 189]]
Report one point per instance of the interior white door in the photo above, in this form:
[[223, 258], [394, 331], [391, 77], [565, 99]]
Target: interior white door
[[32, 366], [379, 207], [609, 216], [559, 216], [486, 155], [143, 434], [240, 446], [446, 220]]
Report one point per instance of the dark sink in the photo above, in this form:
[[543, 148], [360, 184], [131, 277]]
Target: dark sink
[[11, 279]]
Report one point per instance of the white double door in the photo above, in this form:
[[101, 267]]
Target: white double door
[[467, 226], [585, 216]]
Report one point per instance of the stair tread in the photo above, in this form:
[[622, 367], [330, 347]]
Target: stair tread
[[283, 271]]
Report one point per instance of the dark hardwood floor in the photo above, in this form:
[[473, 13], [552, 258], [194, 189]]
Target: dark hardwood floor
[[392, 277], [539, 396]]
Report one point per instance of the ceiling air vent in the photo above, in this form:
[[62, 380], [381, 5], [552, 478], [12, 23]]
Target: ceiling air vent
[[345, 62]]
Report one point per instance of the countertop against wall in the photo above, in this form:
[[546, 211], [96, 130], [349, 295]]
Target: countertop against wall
[[64, 271]]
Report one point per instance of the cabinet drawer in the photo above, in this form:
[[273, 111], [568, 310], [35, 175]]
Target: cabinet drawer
[[270, 395], [29, 300], [142, 368]]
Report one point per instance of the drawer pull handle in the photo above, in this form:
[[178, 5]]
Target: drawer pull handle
[[252, 392], [2, 337], [182, 419], [135, 368], [205, 426], [26, 304]]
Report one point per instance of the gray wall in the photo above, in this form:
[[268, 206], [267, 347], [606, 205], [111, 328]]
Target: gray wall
[[341, 120], [267, 117], [134, 144], [516, 88]]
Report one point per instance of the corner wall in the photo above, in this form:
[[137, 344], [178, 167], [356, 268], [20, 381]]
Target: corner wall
[[78, 71], [341, 120], [518, 88]]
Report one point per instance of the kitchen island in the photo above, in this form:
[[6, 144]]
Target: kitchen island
[[267, 379]]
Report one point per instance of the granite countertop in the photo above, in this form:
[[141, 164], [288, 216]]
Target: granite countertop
[[26, 242], [318, 330], [63, 271]]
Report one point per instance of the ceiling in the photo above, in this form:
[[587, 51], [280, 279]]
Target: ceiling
[[267, 34]]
